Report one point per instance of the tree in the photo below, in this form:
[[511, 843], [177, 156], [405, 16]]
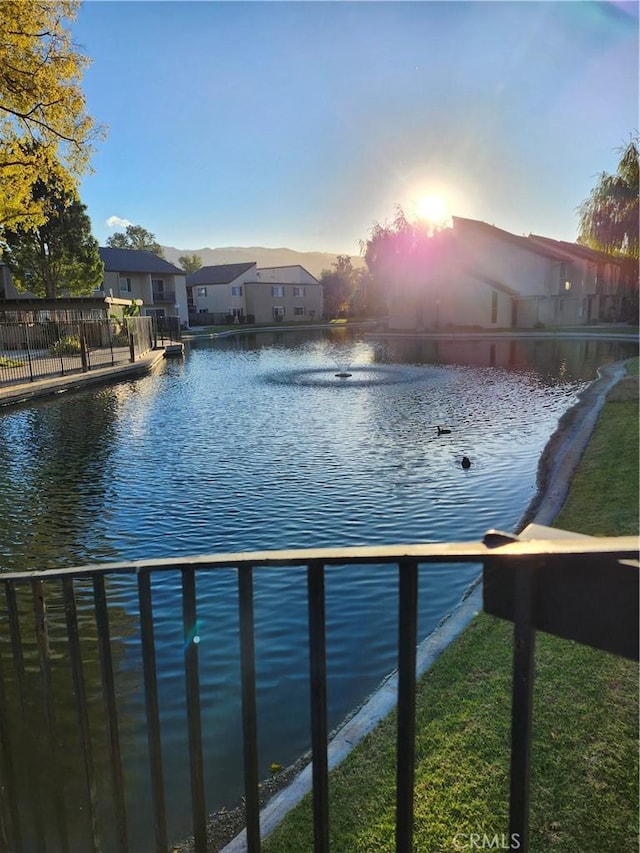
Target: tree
[[399, 254], [135, 237], [190, 263], [609, 220], [609, 217], [60, 255], [339, 286], [44, 127]]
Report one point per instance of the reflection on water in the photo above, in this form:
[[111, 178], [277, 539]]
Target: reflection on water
[[253, 443]]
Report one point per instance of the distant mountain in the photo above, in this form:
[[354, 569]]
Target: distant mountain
[[313, 262]]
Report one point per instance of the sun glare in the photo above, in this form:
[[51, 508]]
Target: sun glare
[[432, 209]]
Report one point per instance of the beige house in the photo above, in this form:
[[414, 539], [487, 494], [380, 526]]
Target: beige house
[[136, 274], [284, 293], [247, 294], [479, 276], [219, 291]]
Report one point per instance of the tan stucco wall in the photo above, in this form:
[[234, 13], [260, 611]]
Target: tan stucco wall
[[260, 302]]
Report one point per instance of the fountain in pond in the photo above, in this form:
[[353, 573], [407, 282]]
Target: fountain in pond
[[354, 363], [343, 364]]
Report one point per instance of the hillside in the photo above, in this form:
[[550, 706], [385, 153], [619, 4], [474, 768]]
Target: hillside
[[314, 262]]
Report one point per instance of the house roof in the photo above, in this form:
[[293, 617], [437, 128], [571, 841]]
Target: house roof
[[576, 249], [526, 243], [288, 267], [135, 260], [219, 274]]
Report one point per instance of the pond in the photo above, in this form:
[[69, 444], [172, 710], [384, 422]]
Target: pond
[[252, 443]]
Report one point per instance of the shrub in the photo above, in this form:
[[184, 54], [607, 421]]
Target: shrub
[[68, 345], [251, 318], [120, 339], [10, 362]]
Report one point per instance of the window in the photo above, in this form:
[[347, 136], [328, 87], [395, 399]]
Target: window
[[494, 307], [236, 312], [125, 285], [278, 312], [236, 290], [298, 291], [201, 291], [157, 284], [299, 311], [277, 290]]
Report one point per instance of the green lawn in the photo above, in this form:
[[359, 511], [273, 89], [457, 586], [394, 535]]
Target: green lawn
[[584, 782]]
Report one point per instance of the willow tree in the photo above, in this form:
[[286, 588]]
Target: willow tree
[[399, 255], [45, 130], [609, 218]]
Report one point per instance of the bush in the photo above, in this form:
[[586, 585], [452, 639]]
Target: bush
[[251, 318], [68, 345], [229, 318], [120, 339], [10, 362]]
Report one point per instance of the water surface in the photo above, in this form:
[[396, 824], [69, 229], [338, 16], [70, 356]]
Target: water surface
[[253, 443]]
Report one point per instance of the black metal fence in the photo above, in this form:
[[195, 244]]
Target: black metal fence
[[36, 350], [47, 641], [167, 329]]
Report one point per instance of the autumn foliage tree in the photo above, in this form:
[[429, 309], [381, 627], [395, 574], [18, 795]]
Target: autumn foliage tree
[[45, 130]]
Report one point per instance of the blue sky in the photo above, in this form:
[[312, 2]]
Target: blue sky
[[301, 124]]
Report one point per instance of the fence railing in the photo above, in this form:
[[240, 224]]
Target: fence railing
[[541, 585], [30, 351]]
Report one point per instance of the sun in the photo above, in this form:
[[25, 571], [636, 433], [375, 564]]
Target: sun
[[432, 209]]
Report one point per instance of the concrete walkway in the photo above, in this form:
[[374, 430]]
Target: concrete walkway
[[25, 392]]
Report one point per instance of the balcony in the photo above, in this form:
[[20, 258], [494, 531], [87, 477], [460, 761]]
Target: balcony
[[582, 589], [164, 296]]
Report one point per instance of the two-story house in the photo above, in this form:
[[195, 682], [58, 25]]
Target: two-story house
[[219, 291], [247, 294], [284, 293], [484, 277], [137, 274]]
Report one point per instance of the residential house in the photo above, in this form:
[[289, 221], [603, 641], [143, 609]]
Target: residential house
[[480, 276], [247, 294], [284, 293], [137, 274], [595, 275], [217, 292]]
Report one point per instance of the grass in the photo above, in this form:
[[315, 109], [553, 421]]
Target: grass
[[584, 779]]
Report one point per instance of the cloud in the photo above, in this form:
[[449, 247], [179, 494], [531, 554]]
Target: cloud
[[117, 222]]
